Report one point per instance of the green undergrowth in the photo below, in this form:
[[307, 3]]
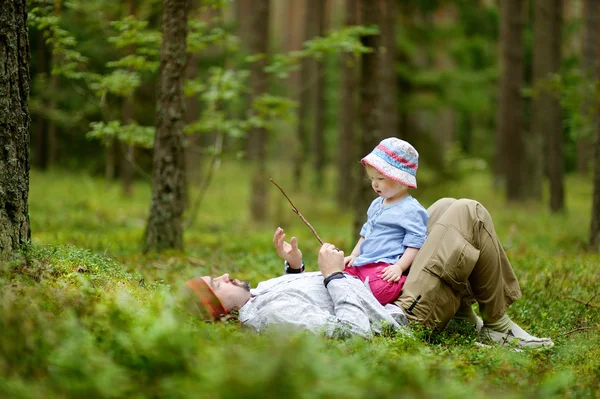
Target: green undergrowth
[[84, 314]]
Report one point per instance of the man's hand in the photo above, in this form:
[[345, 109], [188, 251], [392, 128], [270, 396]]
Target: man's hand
[[288, 252], [330, 260], [391, 273]]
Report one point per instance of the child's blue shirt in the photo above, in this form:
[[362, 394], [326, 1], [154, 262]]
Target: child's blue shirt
[[390, 229]]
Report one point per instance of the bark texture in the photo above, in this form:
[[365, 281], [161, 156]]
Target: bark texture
[[510, 142], [164, 229], [14, 126], [259, 43], [347, 154], [369, 113]]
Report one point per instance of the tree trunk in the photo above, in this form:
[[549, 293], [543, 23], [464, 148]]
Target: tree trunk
[[556, 168], [542, 103], [15, 230], [510, 143], [388, 81], [164, 229], [589, 54], [347, 153], [192, 113], [369, 113], [595, 220], [52, 130], [259, 43], [307, 74], [112, 155], [318, 142], [41, 137], [128, 150]]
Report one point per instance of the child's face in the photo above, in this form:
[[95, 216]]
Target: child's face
[[384, 186]]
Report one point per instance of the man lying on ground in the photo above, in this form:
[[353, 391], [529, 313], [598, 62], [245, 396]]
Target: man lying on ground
[[460, 263]]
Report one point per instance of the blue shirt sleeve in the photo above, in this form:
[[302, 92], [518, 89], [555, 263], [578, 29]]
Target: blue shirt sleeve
[[415, 224]]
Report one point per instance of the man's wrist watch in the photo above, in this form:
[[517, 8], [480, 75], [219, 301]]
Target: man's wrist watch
[[333, 276], [290, 270]]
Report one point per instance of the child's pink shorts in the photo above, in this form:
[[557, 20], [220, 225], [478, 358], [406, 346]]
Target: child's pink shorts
[[385, 292]]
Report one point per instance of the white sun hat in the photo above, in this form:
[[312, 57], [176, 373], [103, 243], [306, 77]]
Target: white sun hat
[[396, 159]]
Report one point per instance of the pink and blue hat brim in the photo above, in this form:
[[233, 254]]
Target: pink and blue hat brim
[[399, 167]]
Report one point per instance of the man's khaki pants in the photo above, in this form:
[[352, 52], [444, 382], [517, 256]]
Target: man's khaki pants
[[460, 262]]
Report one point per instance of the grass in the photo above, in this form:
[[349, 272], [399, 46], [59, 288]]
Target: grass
[[84, 313]]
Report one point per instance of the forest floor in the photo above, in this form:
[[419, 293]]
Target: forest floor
[[84, 314]]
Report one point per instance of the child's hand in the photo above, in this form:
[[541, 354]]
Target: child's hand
[[349, 260], [391, 274]]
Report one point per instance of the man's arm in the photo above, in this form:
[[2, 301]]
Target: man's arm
[[291, 310], [353, 304], [355, 308]]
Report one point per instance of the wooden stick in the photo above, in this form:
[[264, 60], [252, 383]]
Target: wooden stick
[[578, 329], [580, 301], [297, 212]]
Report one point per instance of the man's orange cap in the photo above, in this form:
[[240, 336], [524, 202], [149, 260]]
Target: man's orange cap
[[204, 299]]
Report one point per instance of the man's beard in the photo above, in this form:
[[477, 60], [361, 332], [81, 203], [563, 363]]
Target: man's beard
[[241, 283]]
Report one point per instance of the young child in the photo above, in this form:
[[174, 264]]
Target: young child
[[396, 224]]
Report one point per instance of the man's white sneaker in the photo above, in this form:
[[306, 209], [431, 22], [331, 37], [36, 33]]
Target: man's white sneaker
[[516, 336]]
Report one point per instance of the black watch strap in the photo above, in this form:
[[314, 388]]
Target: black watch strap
[[290, 270], [333, 276]]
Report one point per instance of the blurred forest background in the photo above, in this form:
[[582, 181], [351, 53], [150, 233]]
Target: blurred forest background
[[288, 85], [148, 119]]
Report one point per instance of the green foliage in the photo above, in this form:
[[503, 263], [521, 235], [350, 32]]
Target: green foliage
[[99, 319], [141, 136], [344, 40]]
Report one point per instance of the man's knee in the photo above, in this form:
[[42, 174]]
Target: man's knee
[[437, 209]]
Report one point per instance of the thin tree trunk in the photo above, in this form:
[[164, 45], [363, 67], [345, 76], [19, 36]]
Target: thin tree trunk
[[556, 168], [259, 43], [369, 113], [307, 74], [112, 155], [52, 139], [510, 142], [542, 103], [595, 219], [589, 54], [388, 81], [41, 137], [347, 153], [15, 230], [192, 113], [318, 142], [164, 229], [128, 150], [52, 130]]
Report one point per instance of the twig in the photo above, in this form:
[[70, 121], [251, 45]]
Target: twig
[[578, 329], [591, 299], [297, 212], [581, 302], [215, 163]]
